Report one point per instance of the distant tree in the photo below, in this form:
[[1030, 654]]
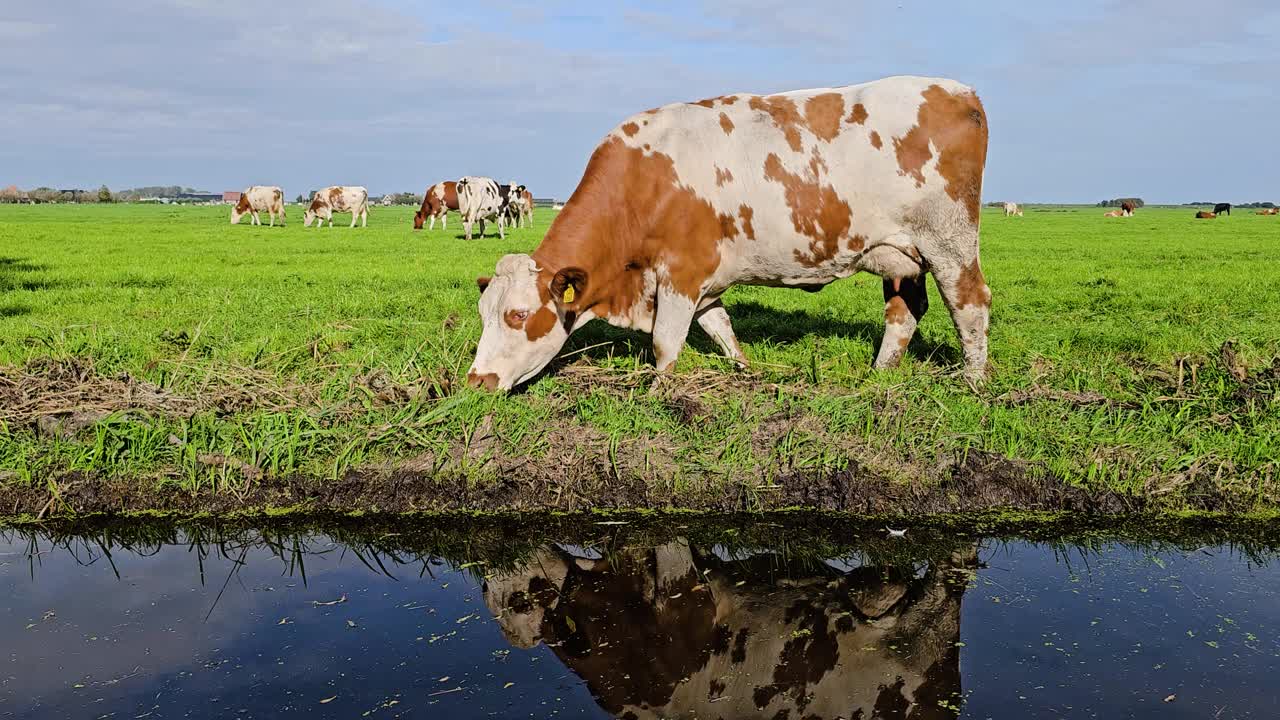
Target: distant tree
[[301, 199], [1120, 201], [104, 194]]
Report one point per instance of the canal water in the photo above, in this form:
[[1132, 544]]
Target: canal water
[[613, 620]]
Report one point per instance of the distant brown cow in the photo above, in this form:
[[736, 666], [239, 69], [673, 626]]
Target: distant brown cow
[[1269, 211], [1205, 215], [1127, 208], [437, 201]]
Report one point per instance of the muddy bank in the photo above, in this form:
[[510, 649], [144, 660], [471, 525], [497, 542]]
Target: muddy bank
[[981, 483]]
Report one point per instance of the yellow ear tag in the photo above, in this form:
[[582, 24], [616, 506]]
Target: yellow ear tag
[[568, 294]]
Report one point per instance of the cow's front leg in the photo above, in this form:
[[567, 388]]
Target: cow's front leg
[[714, 320], [673, 315], [964, 290], [905, 302]]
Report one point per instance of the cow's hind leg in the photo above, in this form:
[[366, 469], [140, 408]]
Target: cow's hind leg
[[967, 296], [672, 318], [905, 302], [714, 320]]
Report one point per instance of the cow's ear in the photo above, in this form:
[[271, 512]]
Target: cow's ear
[[483, 283], [568, 285]]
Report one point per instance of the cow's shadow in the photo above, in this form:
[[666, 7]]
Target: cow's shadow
[[753, 323]]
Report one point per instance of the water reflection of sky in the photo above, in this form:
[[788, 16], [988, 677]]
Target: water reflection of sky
[[1043, 634]]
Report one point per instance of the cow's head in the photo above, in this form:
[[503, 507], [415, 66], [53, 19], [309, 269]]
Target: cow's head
[[418, 219], [239, 209], [528, 313], [317, 210]]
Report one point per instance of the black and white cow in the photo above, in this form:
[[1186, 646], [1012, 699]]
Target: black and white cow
[[480, 199]]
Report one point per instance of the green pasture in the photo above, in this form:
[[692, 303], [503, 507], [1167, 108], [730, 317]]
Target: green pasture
[[314, 352]]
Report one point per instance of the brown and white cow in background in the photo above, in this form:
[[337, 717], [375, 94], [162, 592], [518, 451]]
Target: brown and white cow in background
[[679, 632], [1113, 214], [1012, 209], [338, 198], [1128, 208], [259, 199], [437, 201], [800, 189]]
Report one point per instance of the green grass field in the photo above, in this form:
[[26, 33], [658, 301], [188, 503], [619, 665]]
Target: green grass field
[[160, 348]]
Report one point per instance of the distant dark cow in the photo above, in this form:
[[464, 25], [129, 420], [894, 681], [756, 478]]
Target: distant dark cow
[[437, 201], [1205, 215], [1222, 208], [1127, 208], [676, 631]]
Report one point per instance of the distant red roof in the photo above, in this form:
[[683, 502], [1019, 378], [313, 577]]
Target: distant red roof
[[231, 196]]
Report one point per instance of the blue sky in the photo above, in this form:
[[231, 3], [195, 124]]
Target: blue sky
[[1170, 100]]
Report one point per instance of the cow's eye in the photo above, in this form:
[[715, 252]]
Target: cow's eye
[[515, 318]]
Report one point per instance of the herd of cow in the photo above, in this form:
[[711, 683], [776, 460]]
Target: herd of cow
[[477, 199], [1127, 209]]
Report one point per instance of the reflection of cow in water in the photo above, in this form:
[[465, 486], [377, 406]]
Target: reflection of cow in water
[[674, 632]]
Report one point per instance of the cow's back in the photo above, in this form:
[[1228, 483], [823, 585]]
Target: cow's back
[[812, 178]]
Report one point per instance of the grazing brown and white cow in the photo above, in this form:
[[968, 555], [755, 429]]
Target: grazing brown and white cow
[[437, 201], [679, 632], [259, 199], [1012, 209], [526, 208], [338, 198], [1205, 215], [799, 189]]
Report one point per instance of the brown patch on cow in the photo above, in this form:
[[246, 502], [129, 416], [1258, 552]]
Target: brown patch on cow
[[875, 140], [895, 311], [785, 116], [857, 242], [957, 126], [971, 286], [726, 124], [541, 323], [858, 115], [746, 213], [636, 200], [489, 381], [513, 318], [816, 211], [317, 202], [335, 196], [723, 176], [728, 227], [823, 114], [709, 102], [242, 205], [631, 129]]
